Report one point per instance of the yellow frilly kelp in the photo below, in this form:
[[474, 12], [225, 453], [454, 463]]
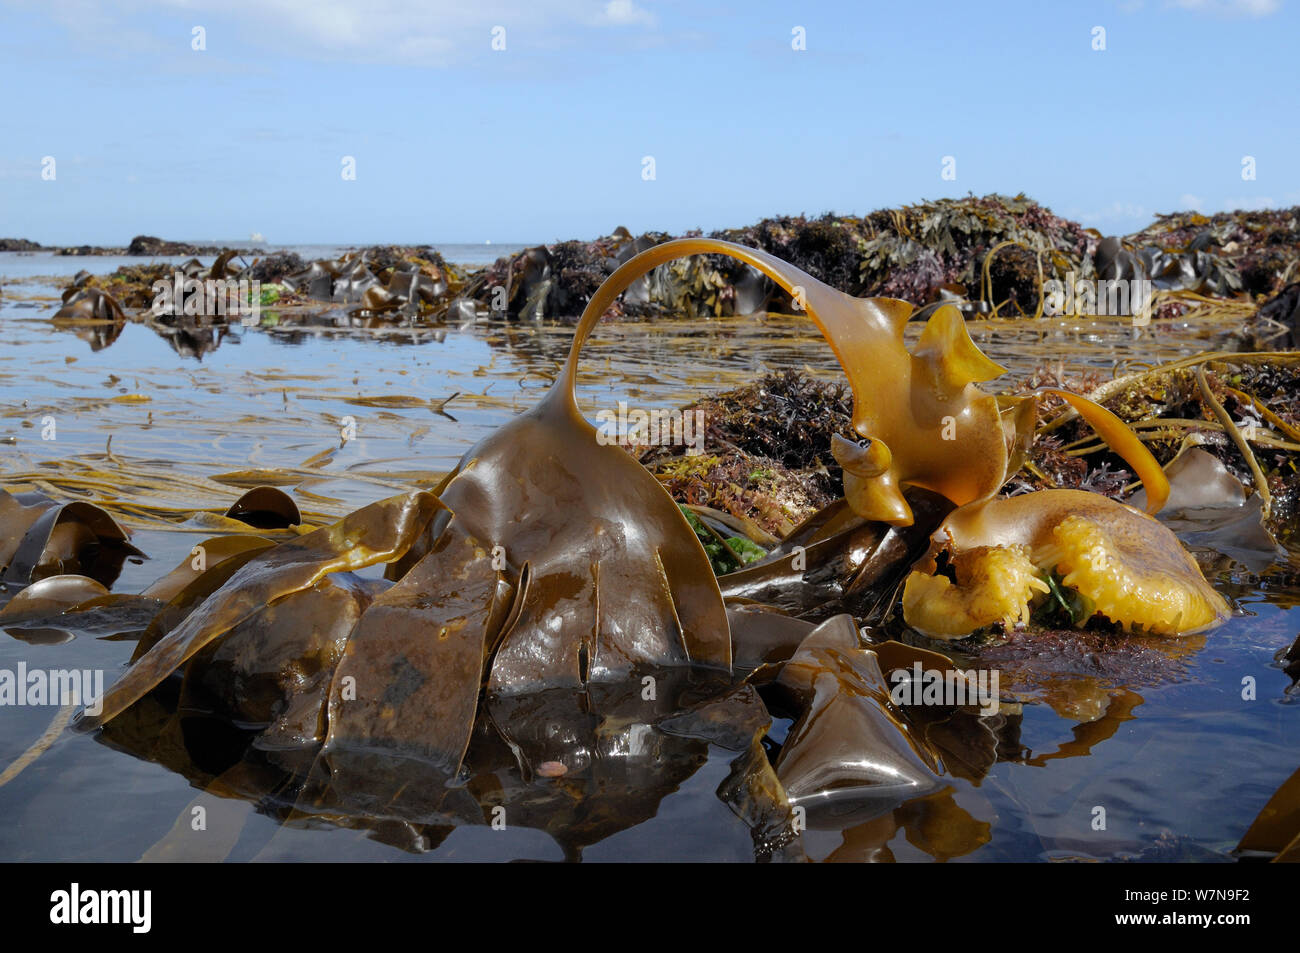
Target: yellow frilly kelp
[[1130, 567], [1125, 566]]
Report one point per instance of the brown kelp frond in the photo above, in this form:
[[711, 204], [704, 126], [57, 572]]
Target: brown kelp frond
[[410, 680], [376, 533], [1275, 833], [617, 577], [40, 537], [846, 709], [204, 556]]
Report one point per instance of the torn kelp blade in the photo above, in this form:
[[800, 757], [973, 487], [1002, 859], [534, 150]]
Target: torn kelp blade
[[271, 673], [849, 753], [929, 425], [409, 681], [40, 537], [376, 533]]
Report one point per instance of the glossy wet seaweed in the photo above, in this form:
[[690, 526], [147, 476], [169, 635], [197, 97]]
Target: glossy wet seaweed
[[362, 755]]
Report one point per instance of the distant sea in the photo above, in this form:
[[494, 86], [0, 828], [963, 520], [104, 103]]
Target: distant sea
[[26, 264]]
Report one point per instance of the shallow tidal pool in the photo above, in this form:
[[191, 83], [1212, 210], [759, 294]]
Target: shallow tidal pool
[[1174, 768]]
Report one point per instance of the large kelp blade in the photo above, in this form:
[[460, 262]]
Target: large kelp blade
[[191, 595], [617, 576], [929, 424], [376, 533], [271, 673], [206, 555], [410, 678]]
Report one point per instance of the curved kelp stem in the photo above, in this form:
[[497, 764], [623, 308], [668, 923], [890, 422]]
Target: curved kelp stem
[[927, 422], [1121, 438], [929, 425]]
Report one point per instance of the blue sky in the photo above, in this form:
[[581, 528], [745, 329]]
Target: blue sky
[[457, 142]]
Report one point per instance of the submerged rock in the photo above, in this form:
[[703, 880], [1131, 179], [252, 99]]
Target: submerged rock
[[148, 245]]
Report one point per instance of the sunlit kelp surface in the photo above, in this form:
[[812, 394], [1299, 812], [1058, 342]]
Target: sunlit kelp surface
[[1020, 772]]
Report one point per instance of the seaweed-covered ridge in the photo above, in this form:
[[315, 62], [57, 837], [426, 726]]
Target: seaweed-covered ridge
[[990, 254]]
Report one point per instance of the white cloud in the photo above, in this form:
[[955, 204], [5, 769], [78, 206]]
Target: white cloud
[[627, 13], [1189, 201], [1118, 218], [1248, 203], [1235, 8], [408, 32]]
